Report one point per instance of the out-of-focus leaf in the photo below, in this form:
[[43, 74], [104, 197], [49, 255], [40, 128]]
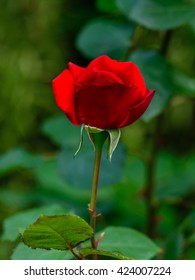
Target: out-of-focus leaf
[[128, 193], [60, 232], [184, 84], [192, 23], [157, 14], [128, 242], [182, 240], [189, 222], [83, 164], [134, 165], [16, 224], [174, 246], [189, 253], [102, 36], [106, 6], [22, 252], [17, 198], [157, 76], [187, 228], [52, 184], [61, 131], [168, 219], [18, 158], [175, 176]]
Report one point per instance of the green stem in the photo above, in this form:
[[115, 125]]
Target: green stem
[[73, 253], [98, 140], [92, 205]]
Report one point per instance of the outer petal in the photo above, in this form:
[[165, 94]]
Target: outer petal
[[97, 78], [109, 106], [75, 70], [127, 71], [63, 87], [138, 110]]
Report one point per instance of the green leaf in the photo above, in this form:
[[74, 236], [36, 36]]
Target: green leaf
[[156, 72], [102, 36], [157, 14], [17, 223], [60, 232], [128, 243], [90, 251], [18, 158], [61, 131], [22, 252], [114, 137]]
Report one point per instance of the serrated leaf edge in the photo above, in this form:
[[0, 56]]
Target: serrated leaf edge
[[66, 242], [104, 253]]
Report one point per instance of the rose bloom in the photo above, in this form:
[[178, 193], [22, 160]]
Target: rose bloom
[[106, 94]]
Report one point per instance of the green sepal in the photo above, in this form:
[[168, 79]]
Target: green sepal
[[98, 136], [92, 129], [80, 142], [114, 137]]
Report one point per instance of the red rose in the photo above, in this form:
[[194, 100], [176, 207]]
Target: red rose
[[106, 94]]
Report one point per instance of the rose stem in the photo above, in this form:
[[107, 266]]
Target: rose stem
[[98, 140], [92, 206], [151, 167]]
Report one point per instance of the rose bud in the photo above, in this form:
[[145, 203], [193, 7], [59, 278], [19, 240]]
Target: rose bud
[[106, 94]]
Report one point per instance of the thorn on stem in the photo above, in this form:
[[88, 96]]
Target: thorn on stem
[[99, 239]]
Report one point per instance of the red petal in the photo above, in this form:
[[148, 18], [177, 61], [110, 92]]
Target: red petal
[[110, 106], [63, 87], [105, 78], [75, 70], [136, 77], [128, 72], [137, 111], [98, 78]]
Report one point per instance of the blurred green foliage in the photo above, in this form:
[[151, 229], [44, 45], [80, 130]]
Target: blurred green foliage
[[37, 169]]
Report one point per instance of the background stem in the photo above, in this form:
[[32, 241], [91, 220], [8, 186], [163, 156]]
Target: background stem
[[151, 202], [150, 188]]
